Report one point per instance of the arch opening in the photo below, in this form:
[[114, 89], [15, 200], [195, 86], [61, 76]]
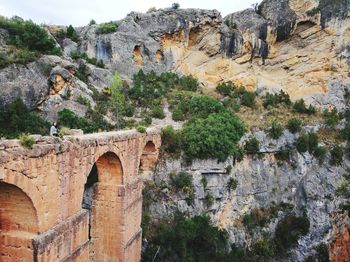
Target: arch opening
[[105, 204], [148, 160], [18, 223]]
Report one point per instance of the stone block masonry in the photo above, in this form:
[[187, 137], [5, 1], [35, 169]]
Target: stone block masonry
[[42, 216]]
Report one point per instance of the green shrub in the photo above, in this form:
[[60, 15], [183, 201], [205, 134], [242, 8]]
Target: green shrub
[[225, 89], [294, 125], [19, 56], [141, 129], [83, 100], [92, 22], [232, 184], [29, 36], [320, 153], [252, 146], [178, 115], [300, 107], [231, 104], [182, 181], [302, 143], [344, 191], [274, 100], [157, 112], [283, 155], [289, 230], [345, 132], [26, 141], [213, 137], [208, 200], [248, 99], [93, 121], [187, 239], [331, 118], [313, 142], [175, 6], [16, 119], [276, 130], [77, 55], [337, 155], [107, 28], [171, 141], [82, 73], [72, 34]]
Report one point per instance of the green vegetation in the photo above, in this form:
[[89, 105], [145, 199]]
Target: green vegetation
[[283, 155], [307, 142], [320, 153], [16, 119], [107, 28], [186, 105], [26, 140], [83, 100], [77, 55], [294, 125], [344, 191], [141, 129], [276, 130], [182, 181], [27, 40], [175, 6], [186, 239], [72, 34], [337, 155], [29, 36], [91, 123], [246, 98], [157, 112], [171, 141], [321, 255], [214, 137], [252, 145], [300, 107], [208, 200], [260, 217], [289, 230], [232, 184], [149, 88], [274, 100], [331, 118]]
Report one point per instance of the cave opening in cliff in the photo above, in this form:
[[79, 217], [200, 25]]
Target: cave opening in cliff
[[18, 223], [148, 159], [137, 55], [105, 203]]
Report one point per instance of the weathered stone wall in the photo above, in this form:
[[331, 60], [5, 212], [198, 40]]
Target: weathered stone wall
[[48, 184]]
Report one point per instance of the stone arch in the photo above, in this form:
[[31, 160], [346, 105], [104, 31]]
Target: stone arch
[[148, 160], [19, 223], [29, 189], [104, 198]]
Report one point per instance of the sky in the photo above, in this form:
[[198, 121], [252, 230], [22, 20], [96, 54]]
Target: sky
[[80, 12]]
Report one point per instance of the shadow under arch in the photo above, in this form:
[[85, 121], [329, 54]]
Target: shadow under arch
[[104, 198], [148, 160], [19, 223]]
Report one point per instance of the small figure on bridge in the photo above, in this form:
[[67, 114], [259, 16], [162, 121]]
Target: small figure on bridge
[[53, 129]]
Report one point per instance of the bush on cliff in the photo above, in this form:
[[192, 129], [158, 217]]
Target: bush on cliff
[[186, 239], [214, 137], [29, 36], [16, 119], [107, 28]]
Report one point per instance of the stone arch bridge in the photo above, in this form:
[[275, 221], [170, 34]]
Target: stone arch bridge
[[76, 199]]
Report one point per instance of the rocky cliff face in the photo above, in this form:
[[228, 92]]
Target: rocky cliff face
[[305, 43], [263, 181]]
